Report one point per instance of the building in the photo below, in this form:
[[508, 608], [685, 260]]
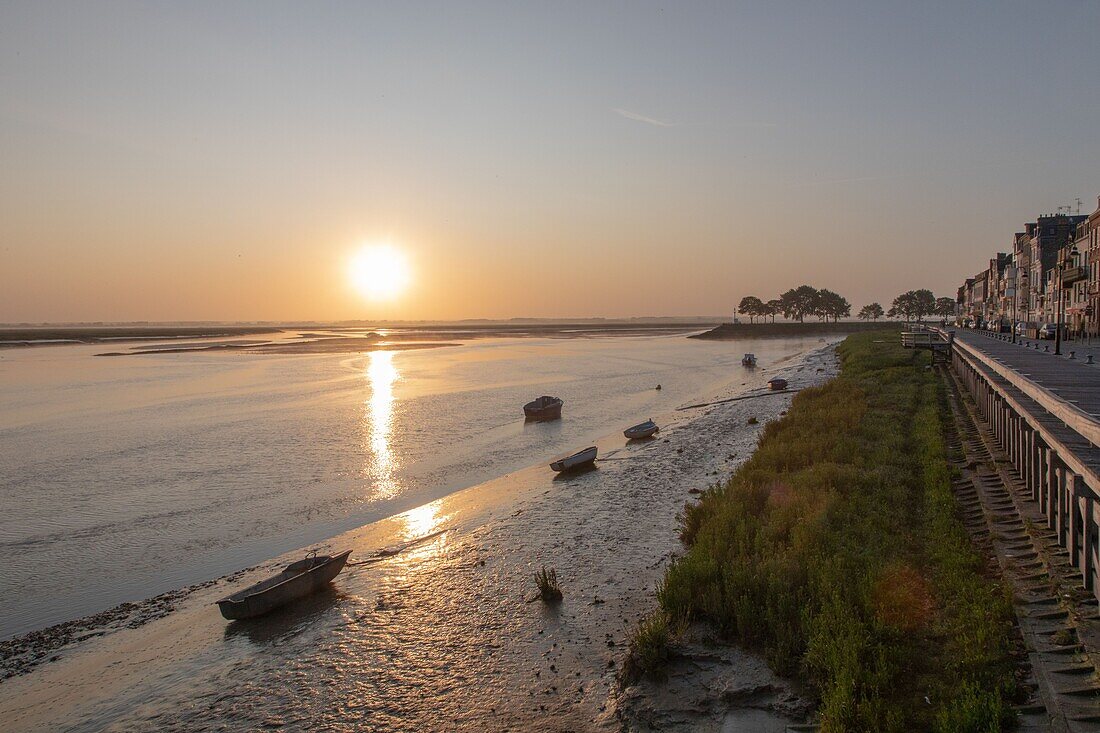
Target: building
[[1047, 236], [1052, 273], [1085, 300]]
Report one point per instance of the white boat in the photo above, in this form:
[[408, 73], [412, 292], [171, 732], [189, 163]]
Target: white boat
[[579, 459], [748, 360], [641, 430]]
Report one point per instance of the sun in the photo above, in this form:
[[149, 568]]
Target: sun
[[379, 271]]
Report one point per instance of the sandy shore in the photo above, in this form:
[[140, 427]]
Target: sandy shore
[[438, 636]]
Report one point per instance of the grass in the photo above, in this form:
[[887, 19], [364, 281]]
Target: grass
[[836, 552], [547, 582]]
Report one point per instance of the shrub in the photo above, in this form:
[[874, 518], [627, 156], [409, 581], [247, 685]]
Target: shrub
[[547, 581]]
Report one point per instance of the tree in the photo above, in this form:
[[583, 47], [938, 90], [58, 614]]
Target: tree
[[832, 305], [774, 307], [751, 306], [914, 304], [924, 303], [945, 307], [871, 312], [798, 302]]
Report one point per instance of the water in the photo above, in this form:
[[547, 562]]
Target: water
[[124, 477]]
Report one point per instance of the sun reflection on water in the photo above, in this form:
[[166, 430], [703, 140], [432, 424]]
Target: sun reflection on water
[[381, 374], [421, 521]]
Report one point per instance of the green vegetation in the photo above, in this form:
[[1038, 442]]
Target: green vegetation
[[547, 581], [836, 552], [649, 647]]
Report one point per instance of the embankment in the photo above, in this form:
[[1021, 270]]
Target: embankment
[[836, 553], [728, 331]]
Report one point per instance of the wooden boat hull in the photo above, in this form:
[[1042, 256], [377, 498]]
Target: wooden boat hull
[[642, 430], [580, 459], [544, 408], [777, 385], [287, 586]]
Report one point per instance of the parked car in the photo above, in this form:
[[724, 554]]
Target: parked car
[[1021, 329], [1047, 331]]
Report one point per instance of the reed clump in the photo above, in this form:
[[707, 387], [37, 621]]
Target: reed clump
[[547, 582], [836, 552], [649, 648]]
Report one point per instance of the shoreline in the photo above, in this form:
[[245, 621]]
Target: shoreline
[[495, 534], [33, 336]]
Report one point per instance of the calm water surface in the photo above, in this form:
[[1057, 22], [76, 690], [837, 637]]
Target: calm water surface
[[124, 477]]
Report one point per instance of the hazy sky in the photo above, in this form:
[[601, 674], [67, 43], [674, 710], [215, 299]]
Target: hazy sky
[[221, 160]]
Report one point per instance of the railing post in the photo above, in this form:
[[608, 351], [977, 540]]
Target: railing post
[[1088, 541], [1076, 517]]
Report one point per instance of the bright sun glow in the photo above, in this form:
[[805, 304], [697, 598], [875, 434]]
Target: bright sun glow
[[379, 272]]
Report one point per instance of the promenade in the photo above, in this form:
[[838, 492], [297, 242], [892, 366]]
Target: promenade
[[1072, 380]]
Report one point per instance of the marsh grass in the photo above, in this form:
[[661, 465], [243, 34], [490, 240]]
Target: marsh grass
[[836, 552], [649, 647], [547, 582]]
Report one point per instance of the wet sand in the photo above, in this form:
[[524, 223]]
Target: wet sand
[[438, 636]]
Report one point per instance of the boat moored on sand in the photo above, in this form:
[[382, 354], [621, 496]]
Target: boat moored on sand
[[580, 459], [543, 408], [778, 384], [641, 430], [298, 579]]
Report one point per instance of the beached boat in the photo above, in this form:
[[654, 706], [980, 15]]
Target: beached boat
[[580, 459], [544, 408], [298, 579], [748, 360], [778, 384], [641, 430]]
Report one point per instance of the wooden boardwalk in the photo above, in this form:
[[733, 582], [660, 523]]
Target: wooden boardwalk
[[1071, 380], [1043, 411]]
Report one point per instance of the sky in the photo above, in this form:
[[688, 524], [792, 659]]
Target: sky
[[226, 161]]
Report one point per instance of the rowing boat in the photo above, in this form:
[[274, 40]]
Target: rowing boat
[[641, 430], [543, 408], [297, 580], [580, 459]]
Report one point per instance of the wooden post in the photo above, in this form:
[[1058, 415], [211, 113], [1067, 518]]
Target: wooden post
[[1076, 517]]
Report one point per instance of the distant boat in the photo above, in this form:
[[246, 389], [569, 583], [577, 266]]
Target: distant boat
[[299, 579], [575, 461], [641, 430], [748, 360], [544, 408], [778, 384]]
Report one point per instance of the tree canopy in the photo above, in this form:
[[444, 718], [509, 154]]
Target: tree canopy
[[798, 303], [913, 305], [752, 307], [871, 312]]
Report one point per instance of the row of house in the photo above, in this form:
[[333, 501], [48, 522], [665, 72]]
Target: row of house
[[1050, 275]]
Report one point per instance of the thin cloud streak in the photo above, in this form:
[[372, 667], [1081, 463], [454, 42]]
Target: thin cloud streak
[[642, 118]]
